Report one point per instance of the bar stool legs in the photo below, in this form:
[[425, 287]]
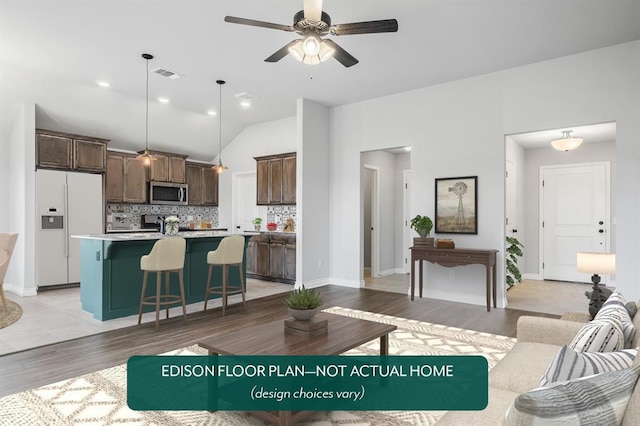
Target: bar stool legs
[[160, 299], [224, 290]]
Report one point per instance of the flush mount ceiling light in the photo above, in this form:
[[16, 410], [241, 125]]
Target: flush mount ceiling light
[[219, 168], [163, 100], [146, 157], [566, 142], [103, 83]]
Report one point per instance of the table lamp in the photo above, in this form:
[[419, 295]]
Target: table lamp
[[597, 263]]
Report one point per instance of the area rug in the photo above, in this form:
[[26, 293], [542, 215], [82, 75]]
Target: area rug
[[11, 314], [100, 398]]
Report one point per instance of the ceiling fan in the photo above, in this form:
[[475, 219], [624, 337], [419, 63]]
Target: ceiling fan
[[312, 24]]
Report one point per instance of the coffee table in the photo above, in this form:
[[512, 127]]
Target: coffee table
[[343, 333]]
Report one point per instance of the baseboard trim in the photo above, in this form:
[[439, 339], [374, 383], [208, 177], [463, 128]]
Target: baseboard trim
[[346, 283], [20, 291], [532, 277]]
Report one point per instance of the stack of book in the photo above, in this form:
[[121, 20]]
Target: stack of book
[[423, 242], [445, 244]]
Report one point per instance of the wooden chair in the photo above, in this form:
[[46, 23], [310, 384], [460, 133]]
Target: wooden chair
[[167, 255], [230, 252], [7, 243]]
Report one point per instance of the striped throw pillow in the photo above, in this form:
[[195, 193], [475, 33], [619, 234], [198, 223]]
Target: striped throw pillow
[[588, 401], [614, 307], [569, 364], [601, 335]]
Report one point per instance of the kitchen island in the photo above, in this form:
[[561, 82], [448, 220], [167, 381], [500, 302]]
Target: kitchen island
[[111, 279]]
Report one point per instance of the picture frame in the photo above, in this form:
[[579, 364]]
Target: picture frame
[[456, 205]]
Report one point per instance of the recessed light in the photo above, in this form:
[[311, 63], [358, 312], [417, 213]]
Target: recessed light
[[163, 100], [245, 104], [212, 112], [103, 83]]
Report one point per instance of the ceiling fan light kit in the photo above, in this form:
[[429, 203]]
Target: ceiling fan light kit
[[312, 24], [566, 142]]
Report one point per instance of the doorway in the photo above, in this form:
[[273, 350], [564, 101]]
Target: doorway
[[383, 236], [530, 159]]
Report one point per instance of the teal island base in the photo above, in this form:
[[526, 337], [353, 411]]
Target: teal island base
[[111, 279]]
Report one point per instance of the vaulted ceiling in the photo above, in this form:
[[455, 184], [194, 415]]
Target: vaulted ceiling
[[437, 41]]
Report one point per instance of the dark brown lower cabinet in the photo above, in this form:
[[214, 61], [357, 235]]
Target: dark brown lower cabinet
[[272, 257]]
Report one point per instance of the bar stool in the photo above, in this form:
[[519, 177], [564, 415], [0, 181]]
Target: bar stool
[[167, 255], [230, 252]]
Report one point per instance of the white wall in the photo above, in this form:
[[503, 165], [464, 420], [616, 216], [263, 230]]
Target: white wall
[[273, 137], [21, 206], [312, 194], [5, 146], [458, 129], [534, 159]]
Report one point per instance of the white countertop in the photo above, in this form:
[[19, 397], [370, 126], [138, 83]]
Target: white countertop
[[136, 236]]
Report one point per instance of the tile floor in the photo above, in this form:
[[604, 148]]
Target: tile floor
[[57, 315]]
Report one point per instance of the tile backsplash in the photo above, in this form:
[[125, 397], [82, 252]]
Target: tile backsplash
[[279, 214], [185, 213]]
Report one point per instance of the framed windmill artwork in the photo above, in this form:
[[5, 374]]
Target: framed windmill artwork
[[457, 205]]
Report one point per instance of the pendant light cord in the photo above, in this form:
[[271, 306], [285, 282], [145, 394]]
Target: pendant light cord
[[220, 124], [146, 119]]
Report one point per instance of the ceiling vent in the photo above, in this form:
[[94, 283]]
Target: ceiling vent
[[166, 73], [244, 96]]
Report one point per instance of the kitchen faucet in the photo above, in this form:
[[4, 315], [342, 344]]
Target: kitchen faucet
[[160, 222]]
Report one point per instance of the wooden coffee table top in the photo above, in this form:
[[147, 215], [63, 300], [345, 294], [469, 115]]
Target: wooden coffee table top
[[343, 333]]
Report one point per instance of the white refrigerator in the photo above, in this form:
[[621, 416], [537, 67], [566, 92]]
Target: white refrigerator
[[67, 204]]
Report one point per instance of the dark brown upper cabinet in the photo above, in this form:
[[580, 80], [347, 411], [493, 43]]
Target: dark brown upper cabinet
[[126, 179], [66, 151], [276, 179], [202, 184], [168, 167]]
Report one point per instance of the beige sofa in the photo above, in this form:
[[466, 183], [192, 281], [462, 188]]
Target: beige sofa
[[539, 340]]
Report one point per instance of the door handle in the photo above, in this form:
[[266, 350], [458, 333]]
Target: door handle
[[601, 223], [601, 230], [514, 231]]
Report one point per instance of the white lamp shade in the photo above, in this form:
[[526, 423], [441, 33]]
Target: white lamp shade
[[597, 263], [298, 52]]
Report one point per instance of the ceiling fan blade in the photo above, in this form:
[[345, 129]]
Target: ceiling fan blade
[[340, 54], [313, 10], [367, 27], [281, 53], [254, 23]]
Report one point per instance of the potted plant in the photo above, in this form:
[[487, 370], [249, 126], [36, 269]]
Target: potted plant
[[257, 223], [303, 303], [171, 225], [422, 225], [514, 250]]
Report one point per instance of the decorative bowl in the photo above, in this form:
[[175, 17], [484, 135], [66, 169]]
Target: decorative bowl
[[272, 226]]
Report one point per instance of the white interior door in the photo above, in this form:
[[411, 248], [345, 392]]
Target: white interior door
[[246, 208], [575, 201]]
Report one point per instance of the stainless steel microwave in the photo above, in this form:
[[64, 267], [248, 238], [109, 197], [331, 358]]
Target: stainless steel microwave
[[168, 193]]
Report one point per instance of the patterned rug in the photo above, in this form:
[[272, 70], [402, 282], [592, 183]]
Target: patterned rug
[[11, 315], [100, 398]]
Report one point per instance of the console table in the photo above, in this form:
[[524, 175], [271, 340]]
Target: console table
[[456, 257]]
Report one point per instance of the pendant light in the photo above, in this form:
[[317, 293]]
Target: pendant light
[[146, 157], [566, 142], [219, 168]]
